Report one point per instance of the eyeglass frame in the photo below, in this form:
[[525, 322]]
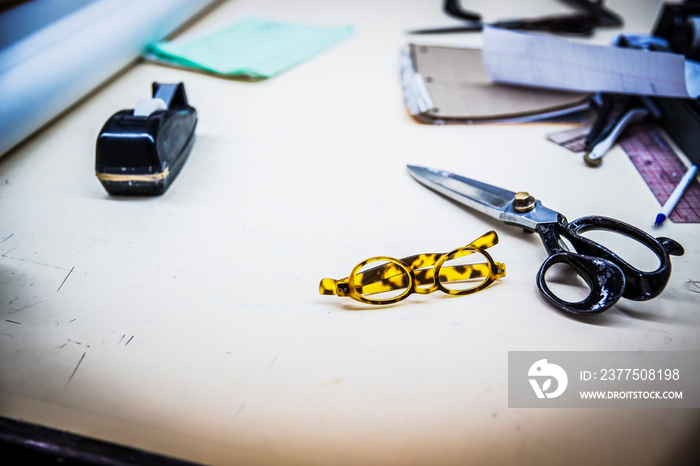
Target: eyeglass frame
[[346, 286]]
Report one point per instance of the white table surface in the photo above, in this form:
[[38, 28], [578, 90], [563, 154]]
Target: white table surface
[[191, 325]]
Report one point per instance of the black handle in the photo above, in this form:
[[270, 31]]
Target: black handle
[[568, 24], [606, 280], [640, 285], [608, 275]]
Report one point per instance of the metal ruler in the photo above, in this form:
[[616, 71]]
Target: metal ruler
[[661, 169]]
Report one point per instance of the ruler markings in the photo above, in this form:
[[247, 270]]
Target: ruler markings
[[661, 169]]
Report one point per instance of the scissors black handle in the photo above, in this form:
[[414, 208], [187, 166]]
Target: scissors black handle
[[609, 276]]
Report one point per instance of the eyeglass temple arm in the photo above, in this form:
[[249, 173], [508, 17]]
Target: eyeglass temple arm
[[485, 241], [468, 272]]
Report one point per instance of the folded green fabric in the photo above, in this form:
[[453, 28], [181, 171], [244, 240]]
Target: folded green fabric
[[252, 47]]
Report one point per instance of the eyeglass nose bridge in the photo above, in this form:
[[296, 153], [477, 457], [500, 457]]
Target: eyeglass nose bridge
[[427, 283]]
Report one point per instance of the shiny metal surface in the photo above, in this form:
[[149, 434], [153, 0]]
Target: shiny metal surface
[[490, 200]]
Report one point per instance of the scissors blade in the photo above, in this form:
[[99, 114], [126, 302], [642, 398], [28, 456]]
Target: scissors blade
[[490, 200], [469, 26]]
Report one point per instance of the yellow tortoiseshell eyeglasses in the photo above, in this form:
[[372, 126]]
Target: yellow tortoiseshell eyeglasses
[[385, 280]]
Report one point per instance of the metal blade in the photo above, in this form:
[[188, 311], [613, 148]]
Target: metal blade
[[470, 26], [490, 200]]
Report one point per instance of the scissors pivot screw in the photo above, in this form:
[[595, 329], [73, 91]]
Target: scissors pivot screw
[[523, 202]]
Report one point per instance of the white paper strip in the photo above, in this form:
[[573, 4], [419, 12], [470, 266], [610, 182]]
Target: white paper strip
[[544, 61]]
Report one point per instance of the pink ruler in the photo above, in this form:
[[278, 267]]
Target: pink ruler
[[662, 170]]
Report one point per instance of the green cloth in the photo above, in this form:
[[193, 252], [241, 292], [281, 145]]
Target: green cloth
[[252, 47]]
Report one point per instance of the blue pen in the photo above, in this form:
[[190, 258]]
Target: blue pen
[[676, 196]]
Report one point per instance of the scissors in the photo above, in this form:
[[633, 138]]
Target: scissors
[[581, 24], [608, 276]]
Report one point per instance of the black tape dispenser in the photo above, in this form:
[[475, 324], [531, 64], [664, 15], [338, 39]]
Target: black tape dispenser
[[141, 151]]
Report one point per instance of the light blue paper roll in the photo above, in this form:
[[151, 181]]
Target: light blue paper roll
[[71, 51]]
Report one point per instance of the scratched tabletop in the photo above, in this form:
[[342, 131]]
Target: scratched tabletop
[[191, 325]]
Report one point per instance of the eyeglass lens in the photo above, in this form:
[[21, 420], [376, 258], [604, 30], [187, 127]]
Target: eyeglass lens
[[464, 270], [381, 280]]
